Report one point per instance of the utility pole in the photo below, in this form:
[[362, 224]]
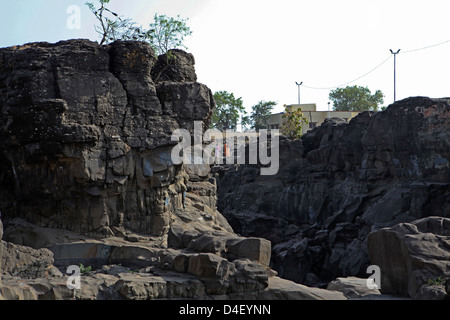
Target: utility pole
[[328, 109], [298, 85], [395, 68]]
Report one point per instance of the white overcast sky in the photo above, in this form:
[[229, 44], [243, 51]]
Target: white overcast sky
[[258, 49]]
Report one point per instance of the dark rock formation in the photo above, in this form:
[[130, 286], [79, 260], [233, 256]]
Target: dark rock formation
[[87, 178], [341, 182], [412, 255], [86, 136], [177, 66]]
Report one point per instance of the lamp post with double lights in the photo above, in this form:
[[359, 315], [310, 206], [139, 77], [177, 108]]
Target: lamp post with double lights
[[395, 67]]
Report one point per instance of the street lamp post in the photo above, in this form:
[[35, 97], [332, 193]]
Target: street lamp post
[[395, 67], [298, 85]]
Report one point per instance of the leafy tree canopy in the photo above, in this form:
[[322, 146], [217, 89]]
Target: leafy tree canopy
[[293, 122], [168, 33], [227, 112], [260, 114], [164, 33], [355, 98]]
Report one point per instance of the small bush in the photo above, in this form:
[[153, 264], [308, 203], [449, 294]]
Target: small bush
[[436, 281], [84, 269]]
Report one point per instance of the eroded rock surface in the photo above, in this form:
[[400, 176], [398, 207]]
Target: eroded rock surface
[[414, 257], [87, 181], [341, 182], [86, 136]]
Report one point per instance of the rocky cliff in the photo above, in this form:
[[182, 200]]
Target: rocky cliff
[[340, 183], [85, 136], [87, 181]]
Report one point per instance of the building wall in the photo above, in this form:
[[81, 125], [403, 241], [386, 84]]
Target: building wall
[[315, 118]]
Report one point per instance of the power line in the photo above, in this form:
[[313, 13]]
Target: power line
[[378, 66], [427, 47], [344, 84], [395, 69]]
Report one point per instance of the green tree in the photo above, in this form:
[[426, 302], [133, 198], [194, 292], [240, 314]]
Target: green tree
[[168, 33], [293, 122], [165, 33], [355, 98], [227, 112], [246, 122], [260, 114]]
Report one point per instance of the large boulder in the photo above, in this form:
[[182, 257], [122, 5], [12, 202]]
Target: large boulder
[[411, 255], [176, 65], [353, 287], [282, 289], [25, 262]]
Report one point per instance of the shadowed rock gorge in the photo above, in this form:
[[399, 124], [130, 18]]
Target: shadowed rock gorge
[[340, 183]]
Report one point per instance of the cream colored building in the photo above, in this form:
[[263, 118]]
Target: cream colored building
[[315, 118]]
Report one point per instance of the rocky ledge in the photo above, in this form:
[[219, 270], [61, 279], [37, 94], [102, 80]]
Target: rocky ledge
[[143, 270]]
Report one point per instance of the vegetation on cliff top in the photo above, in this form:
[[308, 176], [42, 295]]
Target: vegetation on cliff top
[[164, 33]]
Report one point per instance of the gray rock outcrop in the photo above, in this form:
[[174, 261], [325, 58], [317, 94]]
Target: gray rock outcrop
[[353, 287], [341, 182], [86, 136], [142, 269], [413, 256], [87, 181], [176, 66]]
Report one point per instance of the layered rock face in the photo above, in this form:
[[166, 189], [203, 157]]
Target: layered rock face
[[86, 136], [341, 182]]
